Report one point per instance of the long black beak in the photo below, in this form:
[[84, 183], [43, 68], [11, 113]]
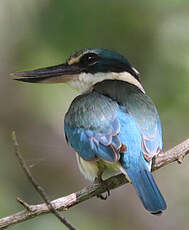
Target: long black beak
[[53, 74]]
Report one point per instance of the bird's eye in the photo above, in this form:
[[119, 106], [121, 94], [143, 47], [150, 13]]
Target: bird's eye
[[89, 59]]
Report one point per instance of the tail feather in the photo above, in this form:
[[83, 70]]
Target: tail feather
[[147, 190]]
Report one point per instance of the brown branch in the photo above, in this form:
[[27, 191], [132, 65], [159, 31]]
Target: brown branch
[[62, 204], [37, 187]]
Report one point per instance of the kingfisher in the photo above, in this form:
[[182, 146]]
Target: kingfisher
[[113, 125]]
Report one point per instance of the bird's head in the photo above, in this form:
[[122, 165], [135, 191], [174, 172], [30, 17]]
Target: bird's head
[[84, 69]]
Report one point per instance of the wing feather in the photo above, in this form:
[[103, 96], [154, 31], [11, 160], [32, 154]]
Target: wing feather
[[92, 127]]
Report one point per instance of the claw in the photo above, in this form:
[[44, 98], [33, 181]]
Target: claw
[[105, 196], [102, 197]]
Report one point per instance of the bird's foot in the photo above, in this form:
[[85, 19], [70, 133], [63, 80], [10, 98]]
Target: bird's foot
[[99, 180]]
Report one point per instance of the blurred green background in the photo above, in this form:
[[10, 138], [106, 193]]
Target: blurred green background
[[154, 36]]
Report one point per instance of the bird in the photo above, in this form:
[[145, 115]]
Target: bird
[[112, 125]]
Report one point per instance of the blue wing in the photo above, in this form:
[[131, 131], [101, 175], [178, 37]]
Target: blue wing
[[97, 126], [140, 107], [143, 111], [92, 126]]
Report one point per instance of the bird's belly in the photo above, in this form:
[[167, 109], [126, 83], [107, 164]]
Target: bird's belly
[[91, 169]]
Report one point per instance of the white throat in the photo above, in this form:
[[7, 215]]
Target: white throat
[[85, 81]]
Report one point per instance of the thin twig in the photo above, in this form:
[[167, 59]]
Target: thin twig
[[64, 203], [36, 185], [24, 204]]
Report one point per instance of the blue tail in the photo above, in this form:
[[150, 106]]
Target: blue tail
[[147, 190]]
